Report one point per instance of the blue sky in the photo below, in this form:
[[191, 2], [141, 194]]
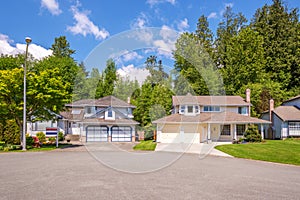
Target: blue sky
[[88, 23]]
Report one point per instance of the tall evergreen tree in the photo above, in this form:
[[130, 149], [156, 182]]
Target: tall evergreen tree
[[61, 47], [280, 32], [230, 26], [245, 60], [204, 34]]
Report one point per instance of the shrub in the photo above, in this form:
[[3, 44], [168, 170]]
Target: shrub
[[41, 136], [252, 134], [52, 139], [60, 136], [6, 149], [10, 132], [29, 140], [2, 143], [149, 132]]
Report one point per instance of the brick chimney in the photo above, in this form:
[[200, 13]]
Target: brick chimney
[[128, 100], [248, 97], [248, 92], [271, 109]]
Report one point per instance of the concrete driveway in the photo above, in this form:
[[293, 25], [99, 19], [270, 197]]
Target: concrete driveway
[[79, 175]]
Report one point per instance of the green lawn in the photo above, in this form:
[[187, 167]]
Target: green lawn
[[148, 145], [280, 151], [47, 147]]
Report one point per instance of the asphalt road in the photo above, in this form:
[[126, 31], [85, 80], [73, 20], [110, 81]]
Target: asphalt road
[[78, 175]]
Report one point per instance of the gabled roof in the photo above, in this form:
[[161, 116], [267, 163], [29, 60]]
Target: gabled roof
[[102, 102], [288, 113], [220, 117], [75, 117], [291, 99], [210, 100]]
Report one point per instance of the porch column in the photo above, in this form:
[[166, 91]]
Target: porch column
[[208, 132], [262, 131], [109, 133], [234, 132], [133, 133]]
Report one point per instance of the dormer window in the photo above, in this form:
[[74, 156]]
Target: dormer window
[[109, 113]]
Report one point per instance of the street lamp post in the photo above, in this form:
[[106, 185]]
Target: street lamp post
[[28, 41]]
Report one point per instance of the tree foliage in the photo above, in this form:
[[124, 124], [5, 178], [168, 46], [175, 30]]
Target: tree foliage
[[61, 48]]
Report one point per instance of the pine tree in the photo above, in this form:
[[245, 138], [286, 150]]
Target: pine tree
[[61, 47]]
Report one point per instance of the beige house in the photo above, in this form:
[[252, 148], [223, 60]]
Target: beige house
[[197, 119]]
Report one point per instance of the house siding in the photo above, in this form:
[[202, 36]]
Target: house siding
[[278, 124]]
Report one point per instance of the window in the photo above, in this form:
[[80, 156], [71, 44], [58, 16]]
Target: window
[[211, 109], [225, 129], [129, 111], [190, 109], [294, 128], [240, 129], [88, 110], [196, 109], [182, 109], [109, 113], [243, 110]]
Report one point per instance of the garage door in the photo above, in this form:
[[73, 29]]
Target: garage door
[[97, 134], [294, 128], [121, 134]]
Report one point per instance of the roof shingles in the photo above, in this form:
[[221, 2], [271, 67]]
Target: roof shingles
[[288, 113], [220, 117]]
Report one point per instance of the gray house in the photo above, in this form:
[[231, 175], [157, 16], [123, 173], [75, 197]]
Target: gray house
[[107, 119], [285, 119]]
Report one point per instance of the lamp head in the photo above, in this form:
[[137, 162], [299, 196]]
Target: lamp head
[[28, 40]]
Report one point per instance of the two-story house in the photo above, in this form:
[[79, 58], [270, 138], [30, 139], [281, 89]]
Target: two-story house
[[107, 119], [198, 119], [285, 119]]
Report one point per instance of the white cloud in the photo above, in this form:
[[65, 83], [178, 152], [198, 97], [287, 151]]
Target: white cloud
[[154, 2], [128, 56], [52, 6], [183, 24], [36, 51], [134, 73], [140, 22], [212, 15], [84, 25]]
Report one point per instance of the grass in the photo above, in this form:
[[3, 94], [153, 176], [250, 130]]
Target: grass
[[147, 145], [279, 151], [47, 147]]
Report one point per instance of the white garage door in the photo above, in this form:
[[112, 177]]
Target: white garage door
[[121, 134], [97, 134]]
